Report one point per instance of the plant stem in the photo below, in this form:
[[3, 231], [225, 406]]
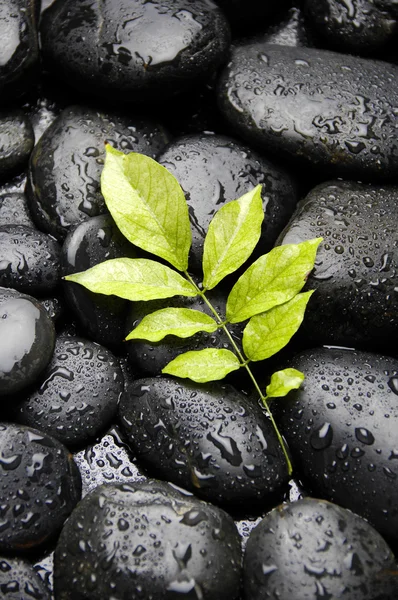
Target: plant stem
[[244, 363]]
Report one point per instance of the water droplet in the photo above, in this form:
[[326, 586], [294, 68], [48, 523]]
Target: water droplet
[[364, 436], [322, 437], [393, 384]]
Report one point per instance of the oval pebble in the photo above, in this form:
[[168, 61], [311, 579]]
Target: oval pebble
[[27, 338], [40, 485], [14, 210], [94, 241], [16, 143], [29, 260], [76, 397], [19, 581], [315, 549], [208, 439], [147, 541], [318, 108], [133, 49], [341, 427], [66, 164], [215, 169]]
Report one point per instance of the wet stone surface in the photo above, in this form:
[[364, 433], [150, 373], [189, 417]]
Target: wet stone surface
[[355, 275], [87, 244], [208, 439], [317, 108], [213, 170], [16, 143], [66, 164], [19, 580], [14, 210], [174, 544], [29, 260], [134, 48], [315, 549], [27, 338], [341, 427], [40, 485], [76, 396]]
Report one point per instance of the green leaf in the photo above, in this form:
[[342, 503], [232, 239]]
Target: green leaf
[[182, 322], [282, 382], [203, 365], [232, 236], [148, 205], [273, 279], [269, 332], [134, 279]]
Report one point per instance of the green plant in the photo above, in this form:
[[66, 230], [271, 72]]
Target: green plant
[[149, 207]]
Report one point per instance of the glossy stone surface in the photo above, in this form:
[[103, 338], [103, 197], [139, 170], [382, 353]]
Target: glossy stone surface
[[19, 580], [66, 164], [317, 108], [174, 544], [40, 485], [14, 210], [27, 338], [16, 143], [341, 428], [134, 48], [208, 439]]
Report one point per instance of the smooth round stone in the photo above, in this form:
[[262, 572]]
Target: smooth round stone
[[209, 439], [315, 549], [14, 210], [16, 142], [341, 427], [94, 241], [213, 170], [76, 397], [19, 51], [18, 579], [29, 259], [147, 540], [66, 164], [356, 300], [132, 49], [317, 108], [40, 485], [357, 26], [27, 338]]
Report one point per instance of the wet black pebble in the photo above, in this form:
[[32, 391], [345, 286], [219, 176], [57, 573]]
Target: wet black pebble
[[19, 52], [29, 260], [133, 49], [27, 338], [40, 485], [355, 275], [19, 581], [66, 163], [341, 427], [214, 169], [87, 244], [290, 31], [317, 108], [147, 541], [315, 549], [353, 26], [76, 396], [14, 210], [16, 143], [209, 439]]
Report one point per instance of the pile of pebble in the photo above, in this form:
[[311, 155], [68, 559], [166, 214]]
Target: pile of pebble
[[116, 483]]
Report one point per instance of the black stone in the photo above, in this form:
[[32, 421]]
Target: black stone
[[173, 544], [76, 397], [29, 260], [314, 107], [315, 549], [290, 31], [19, 580], [214, 169], [27, 338], [40, 487], [132, 49], [355, 276], [341, 427], [87, 244], [66, 164], [209, 439], [250, 14], [14, 210], [16, 143]]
